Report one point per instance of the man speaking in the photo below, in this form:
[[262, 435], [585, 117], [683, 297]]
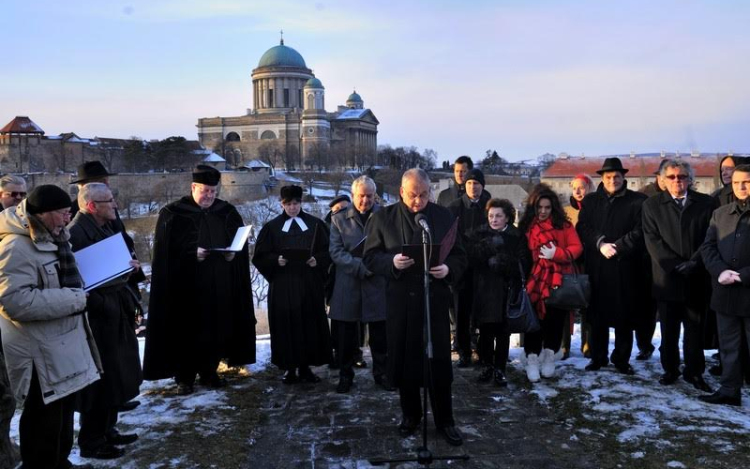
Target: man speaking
[[387, 232]]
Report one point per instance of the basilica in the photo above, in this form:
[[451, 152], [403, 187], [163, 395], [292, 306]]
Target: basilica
[[289, 126]]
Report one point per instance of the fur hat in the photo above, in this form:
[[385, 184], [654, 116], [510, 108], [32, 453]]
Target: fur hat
[[47, 198], [208, 175], [289, 193]]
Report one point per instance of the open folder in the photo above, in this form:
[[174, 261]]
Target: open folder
[[103, 261], [239, 241]]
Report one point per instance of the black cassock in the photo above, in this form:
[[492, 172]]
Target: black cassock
[[387, 231], [199, 312], [296, 308]]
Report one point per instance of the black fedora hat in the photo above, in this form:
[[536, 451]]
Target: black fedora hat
[[91, 170], [612, 164]]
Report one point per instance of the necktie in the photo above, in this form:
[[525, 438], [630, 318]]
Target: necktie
[[680, 202]]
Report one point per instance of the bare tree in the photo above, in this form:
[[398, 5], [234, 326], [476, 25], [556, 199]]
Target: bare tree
[[258, 214]]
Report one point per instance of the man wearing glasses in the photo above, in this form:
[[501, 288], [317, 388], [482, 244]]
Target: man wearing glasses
[[674, 227], [12, 191]]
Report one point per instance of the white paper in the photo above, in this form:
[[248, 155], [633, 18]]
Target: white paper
[[103, 261], [240, 239]]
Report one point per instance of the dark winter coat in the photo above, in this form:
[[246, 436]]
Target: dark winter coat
[[470, 217], [496, 259], [727, 247], [358, 295], [198, 311], [674, 236], [453, 192], [296, 303], [112, 308], [387, 231], [616, 283], [651, 189]]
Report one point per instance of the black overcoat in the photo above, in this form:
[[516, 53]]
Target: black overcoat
[[470, 217], [674, 236], [111, 310], [198, 309], [496, 265], [296, 298], [387, 231], [727, 247], [616, 283]]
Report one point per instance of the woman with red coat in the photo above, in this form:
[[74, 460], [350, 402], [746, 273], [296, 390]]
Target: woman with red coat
[[554, 245]]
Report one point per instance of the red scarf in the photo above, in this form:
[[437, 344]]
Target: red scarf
[[546, 274]]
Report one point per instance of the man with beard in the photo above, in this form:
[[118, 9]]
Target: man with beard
[[111, 310], [610, 228], [387, 233], [292, 254], [201, 307], [358, 295]]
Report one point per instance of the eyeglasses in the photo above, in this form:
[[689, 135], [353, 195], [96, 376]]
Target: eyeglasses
[[15, 194], [103, 201], [679, 177]]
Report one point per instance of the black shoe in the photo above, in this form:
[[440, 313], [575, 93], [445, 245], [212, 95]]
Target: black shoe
[[595, 365], [184, 389], [117, 438], [669, 378], [715, 370], [645, 354], [384, 384], [499, 379], [407, 426], [718, 398], [214, 381], [698, 383], [128, 406], [451, 435], [485, 375], [361, 363], [345, 384], [105, 451], [625, 368], [290, 377], [464, 361], [306, 374]]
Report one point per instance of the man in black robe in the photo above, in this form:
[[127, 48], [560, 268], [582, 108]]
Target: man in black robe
[[387, 232], [292, 254], [201, 307], [111, 311]]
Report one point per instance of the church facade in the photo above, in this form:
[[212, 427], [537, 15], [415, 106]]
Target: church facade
[[289, 126]]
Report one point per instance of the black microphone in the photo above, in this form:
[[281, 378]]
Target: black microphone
[[422, 220]]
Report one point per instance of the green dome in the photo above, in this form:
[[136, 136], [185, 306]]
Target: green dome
[[314, 83], [354, 97], [282, 56]]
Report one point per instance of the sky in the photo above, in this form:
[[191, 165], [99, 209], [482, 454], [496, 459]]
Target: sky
[[521, 77]]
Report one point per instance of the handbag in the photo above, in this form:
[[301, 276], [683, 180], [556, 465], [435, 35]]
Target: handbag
[[520, 313], [574, 293]]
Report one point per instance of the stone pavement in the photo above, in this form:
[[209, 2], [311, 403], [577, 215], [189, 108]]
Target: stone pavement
[[310, 426]]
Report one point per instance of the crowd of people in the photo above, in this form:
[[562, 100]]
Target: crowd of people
[[70, 349]]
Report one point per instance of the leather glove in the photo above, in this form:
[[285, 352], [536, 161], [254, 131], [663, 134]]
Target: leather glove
[[686, 268]]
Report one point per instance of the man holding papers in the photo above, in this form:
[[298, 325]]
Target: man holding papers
[[387, 232], [292, 254], [201, 306], [112, 308], [47, 348]]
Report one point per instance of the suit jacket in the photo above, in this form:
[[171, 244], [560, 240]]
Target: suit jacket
[[673, 236]]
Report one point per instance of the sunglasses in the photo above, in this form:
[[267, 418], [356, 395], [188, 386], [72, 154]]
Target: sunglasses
[[16, 194], [679, 177]]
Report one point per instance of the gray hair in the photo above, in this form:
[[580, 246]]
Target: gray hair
[[416, 173], [91, 192], [679, 164], [363, 181], [9, 179]]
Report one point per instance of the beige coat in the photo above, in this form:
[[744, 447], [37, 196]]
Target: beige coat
[[41, 323]]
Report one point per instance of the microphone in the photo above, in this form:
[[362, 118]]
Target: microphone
[[422, 220]]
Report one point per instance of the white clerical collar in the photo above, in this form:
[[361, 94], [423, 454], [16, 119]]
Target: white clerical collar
[[288, 224]]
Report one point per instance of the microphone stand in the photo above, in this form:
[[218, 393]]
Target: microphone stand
[[424, 455]]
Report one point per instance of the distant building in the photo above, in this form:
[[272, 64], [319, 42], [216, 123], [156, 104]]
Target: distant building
[[289, 125], [641, 169]]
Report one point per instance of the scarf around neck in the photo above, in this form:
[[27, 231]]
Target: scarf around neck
[[546, 274]]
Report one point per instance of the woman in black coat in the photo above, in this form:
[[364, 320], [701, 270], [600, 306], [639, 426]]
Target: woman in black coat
[[497, 254]]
